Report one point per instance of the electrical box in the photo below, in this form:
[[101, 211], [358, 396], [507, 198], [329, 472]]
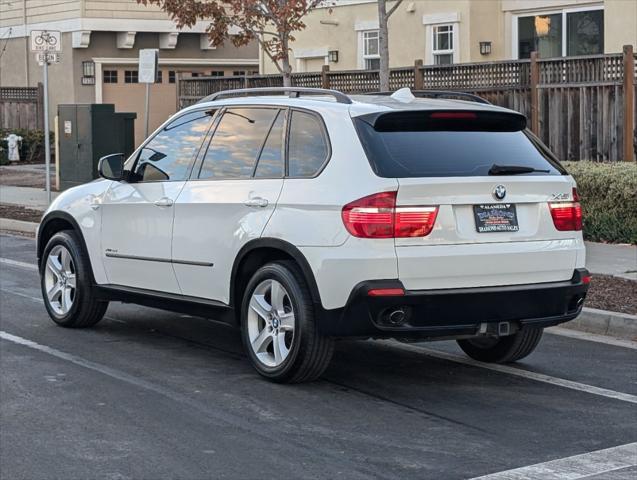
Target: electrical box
[[87, 133]]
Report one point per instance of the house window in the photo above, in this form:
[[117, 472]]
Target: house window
[[172, 77], [371, 50], [585, 32], [540, 33], [110, 76], [216, 73], [239, 73], [160, 77], [194, 74], [131, 76], [555, 34], [442, 44]]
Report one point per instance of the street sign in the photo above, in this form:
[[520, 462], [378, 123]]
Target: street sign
[[148, 59], [46, 41], [46, 44], [41, 57], [148, 65]]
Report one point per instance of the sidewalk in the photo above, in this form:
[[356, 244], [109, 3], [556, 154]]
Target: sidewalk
[[25, 196], [617, 260]]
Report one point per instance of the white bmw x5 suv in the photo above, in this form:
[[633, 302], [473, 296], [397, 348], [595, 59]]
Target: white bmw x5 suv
[[306, 215]]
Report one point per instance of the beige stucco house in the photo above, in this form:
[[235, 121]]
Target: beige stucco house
[[344, 34], [100, 49]]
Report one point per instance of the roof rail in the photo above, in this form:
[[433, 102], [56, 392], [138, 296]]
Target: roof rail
[[439, 94], [294, 92]]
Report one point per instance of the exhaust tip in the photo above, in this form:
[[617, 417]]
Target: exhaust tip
[[397, 317], [394, 317]]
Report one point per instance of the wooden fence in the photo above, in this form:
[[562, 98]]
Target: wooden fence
[[22, 107], [583, 108]]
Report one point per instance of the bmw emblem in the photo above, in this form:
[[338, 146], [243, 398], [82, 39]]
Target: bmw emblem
[[500, 192]]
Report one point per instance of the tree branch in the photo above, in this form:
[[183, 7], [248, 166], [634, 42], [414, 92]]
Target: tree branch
[[393, 9]]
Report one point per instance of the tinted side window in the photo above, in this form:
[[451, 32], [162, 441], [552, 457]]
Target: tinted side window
[[307, 145], [169, 155], [237, 142], [272, 159]]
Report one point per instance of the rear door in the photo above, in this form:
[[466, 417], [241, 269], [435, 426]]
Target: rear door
[[230, 198], [494, 225]]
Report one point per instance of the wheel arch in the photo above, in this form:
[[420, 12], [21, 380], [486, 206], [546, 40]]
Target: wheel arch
[[257, 253], [53, 223]]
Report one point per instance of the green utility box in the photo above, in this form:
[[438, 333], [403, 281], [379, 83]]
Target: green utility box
[[87, 133]]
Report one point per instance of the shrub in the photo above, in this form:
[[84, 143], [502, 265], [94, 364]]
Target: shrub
[[608, 194], [32, 148], [3, 155]]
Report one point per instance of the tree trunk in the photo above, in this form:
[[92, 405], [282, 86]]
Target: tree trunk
[[383, 45], [286, 69]]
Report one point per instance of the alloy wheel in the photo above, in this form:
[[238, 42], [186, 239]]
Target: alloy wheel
[[271, 323], [60, 280]]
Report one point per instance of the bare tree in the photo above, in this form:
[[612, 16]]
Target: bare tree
[[269, 22], [383, 40]]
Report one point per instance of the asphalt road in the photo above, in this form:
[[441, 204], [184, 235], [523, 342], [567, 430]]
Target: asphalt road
[[149, 394]]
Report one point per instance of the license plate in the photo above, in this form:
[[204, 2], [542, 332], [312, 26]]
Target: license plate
[[499, 217]]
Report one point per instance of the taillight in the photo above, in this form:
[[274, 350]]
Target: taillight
[[376, 216], [567, 216], [414, 221], [372, 216]]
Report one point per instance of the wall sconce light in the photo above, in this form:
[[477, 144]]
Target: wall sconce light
[[88, 69], [88, 73], [485, 48], [333, 56]]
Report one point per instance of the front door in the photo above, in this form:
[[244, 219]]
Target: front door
[[229, 200], [137, 217]]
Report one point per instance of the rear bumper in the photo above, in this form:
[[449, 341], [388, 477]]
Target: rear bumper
[[455, 312]]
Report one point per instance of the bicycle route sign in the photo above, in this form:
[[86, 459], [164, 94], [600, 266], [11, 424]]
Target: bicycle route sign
[[46, 41]]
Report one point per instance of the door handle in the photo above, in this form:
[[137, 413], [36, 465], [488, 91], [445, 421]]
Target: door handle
[[256, 202], [164, 202]]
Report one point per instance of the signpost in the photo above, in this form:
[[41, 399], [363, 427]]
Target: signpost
[[148, 59], [46, 44]]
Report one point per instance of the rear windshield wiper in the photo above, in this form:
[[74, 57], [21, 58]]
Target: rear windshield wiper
[[513, 170]]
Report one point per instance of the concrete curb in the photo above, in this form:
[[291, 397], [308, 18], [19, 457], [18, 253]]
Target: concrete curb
[[604, 322], [18, 225]]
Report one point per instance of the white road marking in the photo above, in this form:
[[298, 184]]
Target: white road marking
[[20, 294], [458, 358], [592, 337], [16, 263], [39, 300], [575, 467], [111, 372], [540, 377]]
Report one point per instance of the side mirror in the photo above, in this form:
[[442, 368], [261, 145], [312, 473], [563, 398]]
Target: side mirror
[[111, 167]]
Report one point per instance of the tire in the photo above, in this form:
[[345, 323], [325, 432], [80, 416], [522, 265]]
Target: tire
[[68, 306], [504, 349], [291, 326]]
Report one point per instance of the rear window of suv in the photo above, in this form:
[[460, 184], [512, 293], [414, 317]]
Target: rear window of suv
[[450, 144]]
